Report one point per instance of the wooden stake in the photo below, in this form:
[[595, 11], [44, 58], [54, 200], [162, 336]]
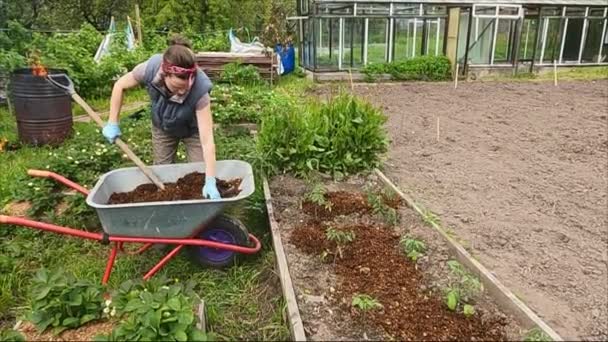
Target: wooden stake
[[555, 72], [140, 38], [456, 76]]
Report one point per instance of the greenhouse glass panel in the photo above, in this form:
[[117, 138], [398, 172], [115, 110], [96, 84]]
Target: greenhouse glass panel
[[377, 40], [551, 11], [406, 9], [508, 10], [528, 39], [572, 40], [373, 9], [463, 26], [435, 10], [480, 49], [504, 40], [485, 10], [596, 12], [353, 42], [575, 11], [327, 43], [551, 40], [337, 9], [307, 50], [593, 41], [434, 36], [403, 41], [604, 54]]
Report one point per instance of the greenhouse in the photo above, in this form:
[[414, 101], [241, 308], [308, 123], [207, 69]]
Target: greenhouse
[[345, 34]]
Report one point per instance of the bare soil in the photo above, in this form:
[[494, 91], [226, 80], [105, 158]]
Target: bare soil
[[519, 172], [85, 333], [186, 188], [372, 264]]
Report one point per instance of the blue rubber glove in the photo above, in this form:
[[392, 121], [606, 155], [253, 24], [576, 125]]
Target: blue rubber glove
[[210, 189], [111, 131]]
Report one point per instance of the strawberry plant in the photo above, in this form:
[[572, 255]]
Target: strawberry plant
[[154, 311], [60, 301]]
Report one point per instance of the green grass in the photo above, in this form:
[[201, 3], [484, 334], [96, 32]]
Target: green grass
[[103, 104], [244, 302]]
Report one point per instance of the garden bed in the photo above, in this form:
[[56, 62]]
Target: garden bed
[[352, 278]]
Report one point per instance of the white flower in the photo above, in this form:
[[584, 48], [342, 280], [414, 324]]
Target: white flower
[[113, 313], [83, 150], [165, 287], [70, 158], [30, 184], [108, 302], [106, 310], [37, 188], [76, 162]]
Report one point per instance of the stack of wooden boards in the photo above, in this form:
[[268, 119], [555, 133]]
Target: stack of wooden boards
[[213, 63]]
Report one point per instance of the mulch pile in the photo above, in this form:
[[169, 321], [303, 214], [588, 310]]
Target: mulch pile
[[373, 264], [188, 187]]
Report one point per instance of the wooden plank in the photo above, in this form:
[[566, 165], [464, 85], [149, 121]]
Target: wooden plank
[[503, 296], [293, 313]]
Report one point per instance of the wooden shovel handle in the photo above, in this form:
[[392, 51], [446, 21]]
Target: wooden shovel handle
[[121, 144]]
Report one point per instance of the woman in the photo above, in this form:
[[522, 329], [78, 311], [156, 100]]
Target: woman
[[179, 94]]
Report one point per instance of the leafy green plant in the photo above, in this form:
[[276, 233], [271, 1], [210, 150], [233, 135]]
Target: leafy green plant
[[412, 247], [343, 136], [536, 335], [62, 302], [11, 335], [380, 208], [430, 218], [240, 74], [426, 68], [365, 302], [318, 196], [341, 238], [463, 288], [154, 311]]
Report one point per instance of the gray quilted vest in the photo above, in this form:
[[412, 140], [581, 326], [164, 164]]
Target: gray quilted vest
[[176, 119]]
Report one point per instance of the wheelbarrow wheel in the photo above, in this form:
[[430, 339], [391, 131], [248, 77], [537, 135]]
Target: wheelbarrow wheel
[[222, 229]]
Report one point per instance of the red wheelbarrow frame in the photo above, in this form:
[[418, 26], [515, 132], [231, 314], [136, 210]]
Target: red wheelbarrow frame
[[120, 240]]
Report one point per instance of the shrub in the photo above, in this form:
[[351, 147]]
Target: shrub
[[240, 74], [342, 136], [424, 68]]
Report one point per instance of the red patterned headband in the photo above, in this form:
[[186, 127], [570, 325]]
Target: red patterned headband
[[169, 68]]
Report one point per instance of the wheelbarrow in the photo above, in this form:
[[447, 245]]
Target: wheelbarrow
[[212, 239]]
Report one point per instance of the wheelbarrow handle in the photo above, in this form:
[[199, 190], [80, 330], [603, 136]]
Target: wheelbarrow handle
[[69, 87]]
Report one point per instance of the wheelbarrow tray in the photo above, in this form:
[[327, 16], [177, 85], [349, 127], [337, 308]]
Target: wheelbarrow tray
[[168, 219]]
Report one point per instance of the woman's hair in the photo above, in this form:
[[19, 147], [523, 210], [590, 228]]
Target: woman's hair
[[179, 53]]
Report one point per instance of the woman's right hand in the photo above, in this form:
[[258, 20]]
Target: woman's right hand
[[111, 131]]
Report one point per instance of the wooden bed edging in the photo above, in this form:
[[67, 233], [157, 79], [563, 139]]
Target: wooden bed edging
[[503, 296], [296, 327]]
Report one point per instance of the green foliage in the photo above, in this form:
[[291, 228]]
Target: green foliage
[[11, 335], [381, 209], [58, 300], [462, 290], [343, 136], [536, 335], [340, 237], [412, 247], [240, 74], [364, 302], [317, 196], [423, 68], [154, 311]]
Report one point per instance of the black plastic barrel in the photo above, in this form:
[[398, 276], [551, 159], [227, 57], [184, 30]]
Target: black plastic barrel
[[43, 111]]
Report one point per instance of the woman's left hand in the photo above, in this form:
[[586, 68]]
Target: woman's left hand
[[210, 189]]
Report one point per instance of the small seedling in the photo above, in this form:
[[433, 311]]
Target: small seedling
[[364, 302], [536, 335], [317, 196], [413, 248], [430, 218], [341, 238], [452, 298], [379, 208], [468, 310]]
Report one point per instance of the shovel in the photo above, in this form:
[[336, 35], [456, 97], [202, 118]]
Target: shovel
[[69, 87]]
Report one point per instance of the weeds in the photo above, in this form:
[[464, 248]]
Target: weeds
[[365, 302], [318, 196]]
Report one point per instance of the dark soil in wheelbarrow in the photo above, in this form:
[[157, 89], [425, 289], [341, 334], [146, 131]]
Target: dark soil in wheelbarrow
[[188, 187]]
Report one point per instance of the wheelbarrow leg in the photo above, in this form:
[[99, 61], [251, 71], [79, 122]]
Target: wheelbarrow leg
[[110, 264], [163, 261]]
